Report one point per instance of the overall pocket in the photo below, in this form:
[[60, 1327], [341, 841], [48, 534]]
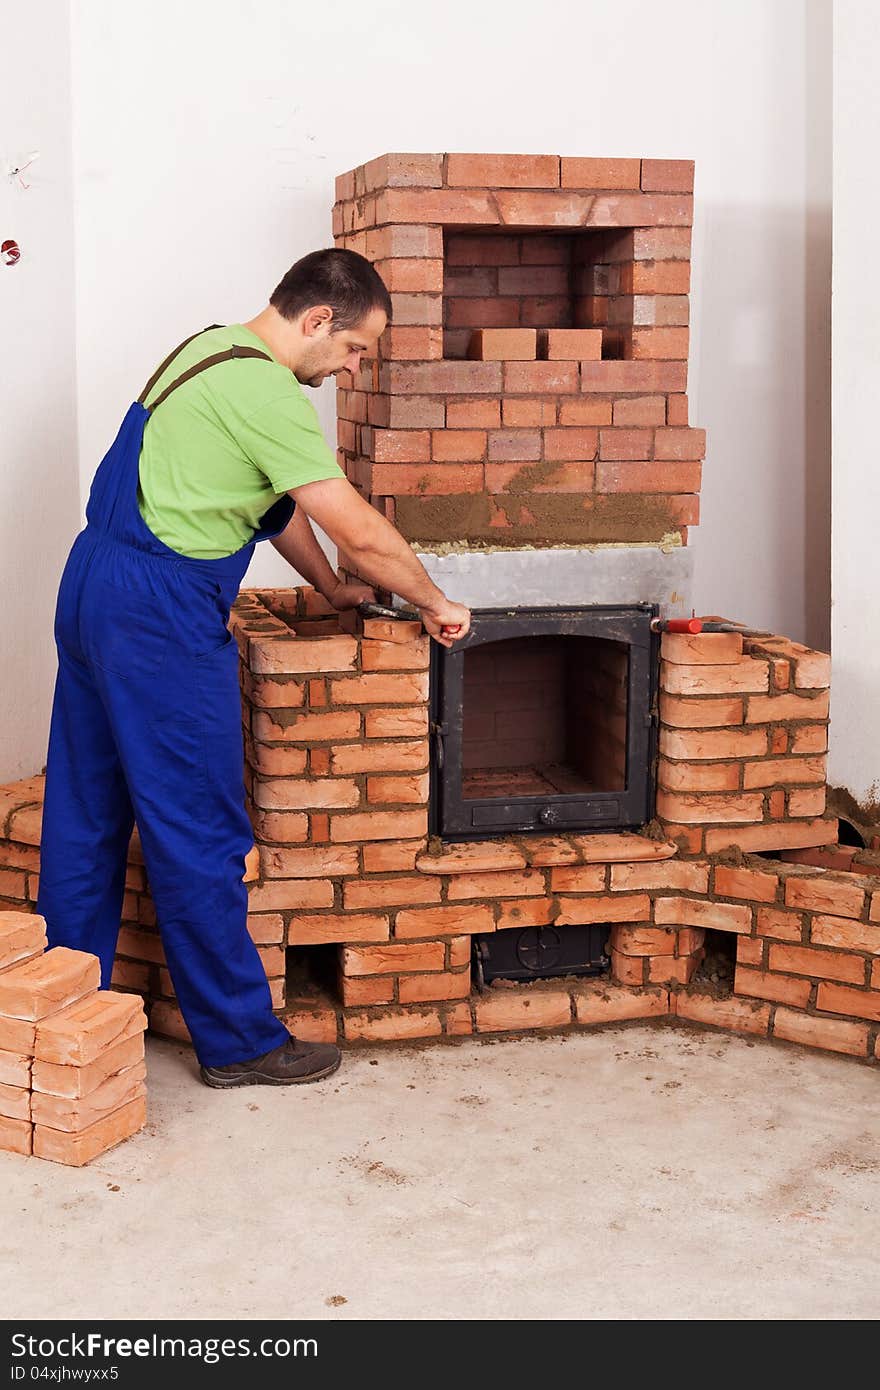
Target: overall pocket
[[128, 632]]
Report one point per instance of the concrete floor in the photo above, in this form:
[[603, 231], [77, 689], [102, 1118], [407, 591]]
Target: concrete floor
[[641, 1172]]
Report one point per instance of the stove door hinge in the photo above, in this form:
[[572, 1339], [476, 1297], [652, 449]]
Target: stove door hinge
[[438, 731]]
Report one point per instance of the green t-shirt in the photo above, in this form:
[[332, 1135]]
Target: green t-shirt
[[225, 445]]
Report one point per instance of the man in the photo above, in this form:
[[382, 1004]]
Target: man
[[222, 450]]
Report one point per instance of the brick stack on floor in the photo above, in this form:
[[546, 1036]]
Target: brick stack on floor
[[72, 1072]]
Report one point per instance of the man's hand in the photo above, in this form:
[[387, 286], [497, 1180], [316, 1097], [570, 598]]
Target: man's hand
[[446, 622], [350, 595]]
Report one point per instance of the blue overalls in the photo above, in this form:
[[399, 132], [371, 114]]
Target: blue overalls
[[146, 727]]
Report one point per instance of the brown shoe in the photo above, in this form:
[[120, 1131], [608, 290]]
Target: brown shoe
[[293, 1063]]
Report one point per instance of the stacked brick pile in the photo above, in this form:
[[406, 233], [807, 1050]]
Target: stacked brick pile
[[72, 1072], [586, 263]]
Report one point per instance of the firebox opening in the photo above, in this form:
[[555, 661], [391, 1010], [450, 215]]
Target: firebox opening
[[716, 969], [311, 974], [544, 715], [539, 278]]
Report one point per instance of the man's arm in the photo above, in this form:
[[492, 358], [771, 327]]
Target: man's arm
[[299, 546], [381, 553]]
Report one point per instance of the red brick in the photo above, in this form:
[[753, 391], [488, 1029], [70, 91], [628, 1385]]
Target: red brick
[[556, 478], [673, 970], [390, 855], [508, 1010], [680, 444], [749, 950], [521, 413], [578, 878], [839, 999], [401, 171], [391, 892], [570, 344], [767, 709], [739, 1015], [16, 1136], [456, 446], [406, 755], [74, 1150], [469, 251], [515, 445], [677, 410], [625, 444], [703, 649], [831, 965], [756, 838], [784, 770], [571, 443], [675, 873], [494, 885], [709, 807], [312, 1025], [82, 1032], [396, 956], [266, 928], [457, 1020], [699, 714], [631, 907], [437, 378], [75, 1115], [277, 762], [566, 209], [656, 277], [628, 970], [833, 1035], [298, 793], [842, 932], [310, 862], [369, 989], [22, 936], [302, 654], [502, 171], [378, 825], [607, 1003], [640, 410], [380, 688], [526, 912], [584, 411], [487, 855], [411, 343], [663, 310], [668, 175], [443, 206], [15, 1069], [285, 827], [540, 378], [685, 912], [411, 788], [308, 728], [611, 377], [404, 240], [787, 926], [503, 345], [727, 743], [396, 723], [424, 988], [807, 801], [643, 941], [823, 894], [291, 893], [746, 883], [46, 983], [444, 921], [473, 414], [685, 777], [434, 479], [392, 1025], [318, 928], [591, 173], [734, 677], [778, 989], [413, 276]]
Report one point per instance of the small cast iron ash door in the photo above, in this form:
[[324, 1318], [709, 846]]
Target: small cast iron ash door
[[543, 719]]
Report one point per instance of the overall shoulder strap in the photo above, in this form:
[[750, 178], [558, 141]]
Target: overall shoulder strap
[[228, 355], [169, 359]]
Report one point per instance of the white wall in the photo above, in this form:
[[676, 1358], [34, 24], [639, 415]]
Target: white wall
[[855, 583], [39, 487], [207, 135]]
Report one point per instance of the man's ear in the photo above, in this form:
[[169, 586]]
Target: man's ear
[[317, 320]]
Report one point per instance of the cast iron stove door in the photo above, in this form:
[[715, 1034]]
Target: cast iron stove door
[[542, 719]]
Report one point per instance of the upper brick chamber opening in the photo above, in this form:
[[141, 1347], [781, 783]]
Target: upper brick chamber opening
[[531, 389]]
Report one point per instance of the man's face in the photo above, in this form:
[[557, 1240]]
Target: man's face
[[328, 352]]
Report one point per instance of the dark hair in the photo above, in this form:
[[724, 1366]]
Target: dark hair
[[343, 279]]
